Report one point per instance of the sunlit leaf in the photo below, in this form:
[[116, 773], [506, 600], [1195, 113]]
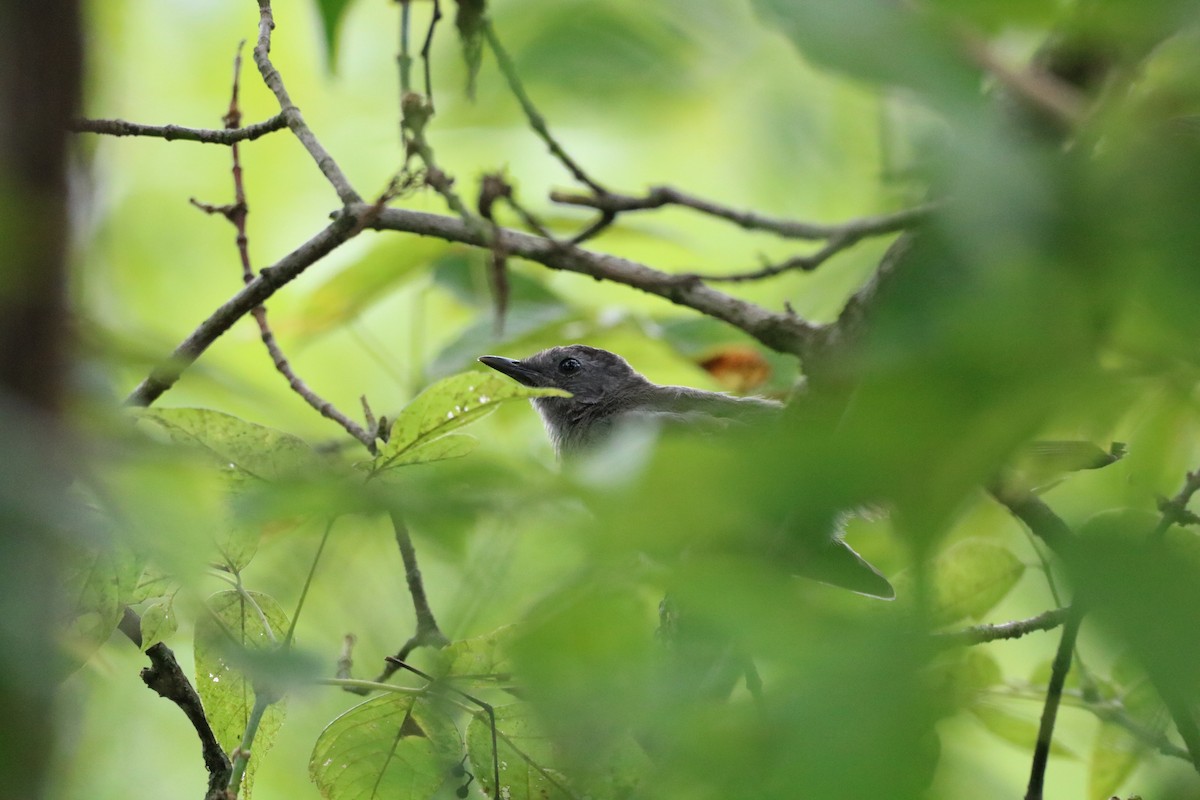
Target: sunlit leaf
[[447, 405], [389, 746], [237, 622]]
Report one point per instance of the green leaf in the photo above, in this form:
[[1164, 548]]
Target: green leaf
[[346, 295], [98, 585], [1115, 755], [237, 544], [158, 623], [389, 746], [1014, 729], [531, 764], [969, 578], [234, 626], [331, 12], [445, 406], [238, 445], [452, 445], [480, 656], [470, 21]]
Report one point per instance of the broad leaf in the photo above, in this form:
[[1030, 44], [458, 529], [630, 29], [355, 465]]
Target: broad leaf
[[346, 295], [388, 747], [1015, 729], [98, 585], [445, 406], [158, 623], [531, 765], [1115, 755], [234, 627], [969, 578], [243, 447]]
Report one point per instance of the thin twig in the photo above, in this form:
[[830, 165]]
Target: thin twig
[[660, 196], [1058, 677], [295, 120], [806, 263], [1037, 516], [1174, 510], [428, 46], [241, 755], [119, 127], [979, 634], [267, 282], [784, 333], [237, 214], [781, 332], [536, 121], [1043, 90], [428, 634]]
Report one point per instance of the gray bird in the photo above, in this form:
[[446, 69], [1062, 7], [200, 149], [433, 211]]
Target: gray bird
[[606, 393]]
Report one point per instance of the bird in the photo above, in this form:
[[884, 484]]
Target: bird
[[606, 393]]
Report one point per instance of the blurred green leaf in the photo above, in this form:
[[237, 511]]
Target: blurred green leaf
[[1116, 753], [331, 14], [449, 404], [481, 656], [531, 766], [237, 622], [159, 623], [878, 41], [237, 544], [237, 445], [969, 578], [387, 266], [389, 746], [470, 21], [98, 583], [1016, 730]]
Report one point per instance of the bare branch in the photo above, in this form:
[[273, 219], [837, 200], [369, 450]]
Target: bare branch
[[1058, 677], [536, 121], [237, 213], [295, 120], [980, 634], [267, 282], [782, 332], [1174, 510], [167, 678], [660, 196], [119, 127], [428, 634], [1037, 516]]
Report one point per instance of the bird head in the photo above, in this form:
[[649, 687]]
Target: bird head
[[590, 374]]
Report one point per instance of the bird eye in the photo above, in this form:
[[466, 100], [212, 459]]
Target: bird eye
[[569, 366]]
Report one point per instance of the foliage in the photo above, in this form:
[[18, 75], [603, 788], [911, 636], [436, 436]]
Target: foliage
[[1015, 289]]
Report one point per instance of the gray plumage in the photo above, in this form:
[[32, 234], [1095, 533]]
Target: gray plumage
[[607, 392]]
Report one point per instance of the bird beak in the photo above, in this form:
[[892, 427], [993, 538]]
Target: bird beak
[[514, 369]]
